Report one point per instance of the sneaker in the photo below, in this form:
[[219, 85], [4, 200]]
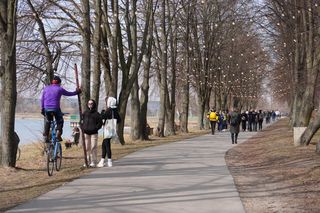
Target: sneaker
[[92, 165], [101, 163], [109, 163]]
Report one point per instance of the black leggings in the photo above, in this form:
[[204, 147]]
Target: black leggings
[[234, 137], [106, 148]]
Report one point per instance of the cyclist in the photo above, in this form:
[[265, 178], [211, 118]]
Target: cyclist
[[50, 103]]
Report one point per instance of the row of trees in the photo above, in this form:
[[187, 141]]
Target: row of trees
[[293, 27], [208, 48]]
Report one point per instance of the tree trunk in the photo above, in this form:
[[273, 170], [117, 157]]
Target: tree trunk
[[201, 112], [171, 95], [8, 34], [86, 54], [184, 116], [313, 127], [135, 112], [144, 95], [163, 71], [97, 56]]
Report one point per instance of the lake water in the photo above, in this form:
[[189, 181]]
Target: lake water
[[30, 130]]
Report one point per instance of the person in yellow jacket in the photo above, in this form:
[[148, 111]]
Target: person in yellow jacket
[[212, 116]]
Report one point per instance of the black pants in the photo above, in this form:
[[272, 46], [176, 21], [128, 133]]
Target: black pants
[[244, 125], [250, 126], [106, 148], [260, 125], [49, 113], [213, 126], [234, 138], [255, 126]]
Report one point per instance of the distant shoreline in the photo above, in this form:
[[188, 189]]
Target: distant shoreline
[[35, 116], [29, 115]]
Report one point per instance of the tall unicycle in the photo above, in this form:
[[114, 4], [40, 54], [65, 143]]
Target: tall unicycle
[[50, 159], [58, 156]]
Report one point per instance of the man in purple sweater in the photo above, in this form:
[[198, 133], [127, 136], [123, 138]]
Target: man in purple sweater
[[50, 104]]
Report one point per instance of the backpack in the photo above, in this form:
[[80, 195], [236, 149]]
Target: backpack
[[213, 116], [260, 117], [234, 119]]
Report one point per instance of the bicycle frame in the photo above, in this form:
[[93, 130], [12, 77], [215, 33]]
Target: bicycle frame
[[54, 152], [53, 140]]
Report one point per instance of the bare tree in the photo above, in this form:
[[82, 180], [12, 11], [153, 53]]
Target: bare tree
[[8, 32], [97, 52], [123, 46]]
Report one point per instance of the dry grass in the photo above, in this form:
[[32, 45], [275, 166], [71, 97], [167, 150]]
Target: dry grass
[[274, 176], [30, 179]]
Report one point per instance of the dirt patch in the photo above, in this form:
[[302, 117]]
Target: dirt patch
[[272, 175]]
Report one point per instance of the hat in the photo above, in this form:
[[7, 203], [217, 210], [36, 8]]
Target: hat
[[111, 102], [56, 80]]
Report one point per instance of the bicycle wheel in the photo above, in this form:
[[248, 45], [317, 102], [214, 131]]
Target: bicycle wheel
[[50, 160], [58, 156]]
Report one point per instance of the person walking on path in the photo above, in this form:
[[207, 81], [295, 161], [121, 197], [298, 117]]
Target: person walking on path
[[254, 121], [244, 119], [213, 118], [91, 122], [110, 118], [260, 119], [234, 120], [50, 106]]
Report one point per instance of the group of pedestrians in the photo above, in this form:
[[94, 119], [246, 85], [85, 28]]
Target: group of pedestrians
[[250, 120], [91, 121], [219, 119], [223, 118]]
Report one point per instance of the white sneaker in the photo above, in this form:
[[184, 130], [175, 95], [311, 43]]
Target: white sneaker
[[92, 164], [101, 163], [109, 163]]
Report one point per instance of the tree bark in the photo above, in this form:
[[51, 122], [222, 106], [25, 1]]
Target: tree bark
[[171, 93], [96, 78], [8, 34], [163, 71], [135, 112], [312, 128], [86, 54], [144, 96]]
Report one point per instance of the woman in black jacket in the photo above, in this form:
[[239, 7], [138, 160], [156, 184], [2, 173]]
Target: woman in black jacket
[[91, 122], [110, 120]]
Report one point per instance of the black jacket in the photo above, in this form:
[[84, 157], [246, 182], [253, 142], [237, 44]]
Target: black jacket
[[91, 121], [107, 114]]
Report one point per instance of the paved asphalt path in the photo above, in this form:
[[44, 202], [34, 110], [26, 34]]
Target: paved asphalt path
[[190, 176]]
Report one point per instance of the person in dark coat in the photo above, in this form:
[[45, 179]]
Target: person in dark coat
[[250, 120], [260, 119], [234, 121], [244, 119], [91, 122], [254, 120]]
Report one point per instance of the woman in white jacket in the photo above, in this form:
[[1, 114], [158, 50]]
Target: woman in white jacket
[[110, 118]]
